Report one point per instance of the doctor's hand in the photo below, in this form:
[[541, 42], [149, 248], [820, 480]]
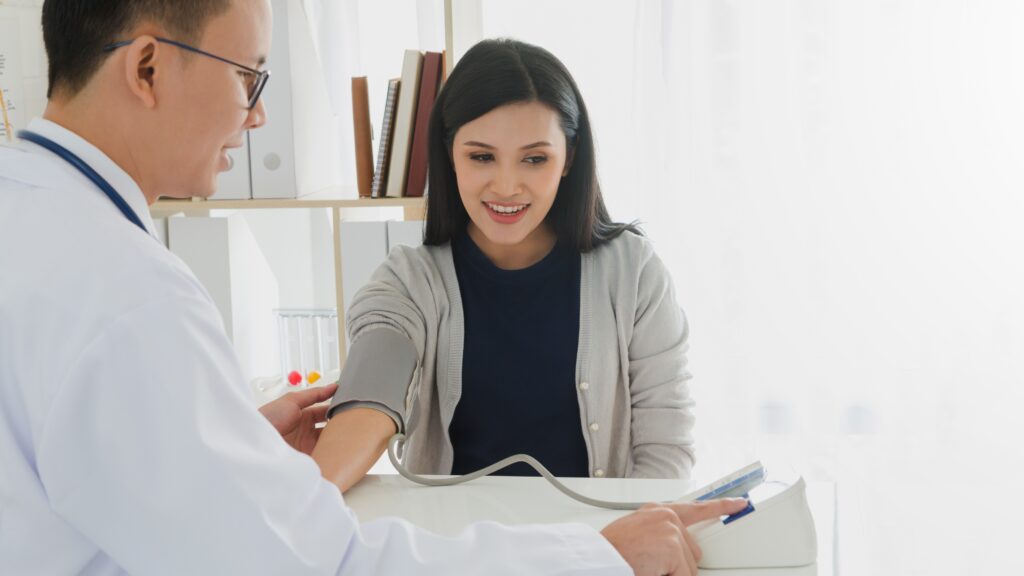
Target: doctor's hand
[[296, 414], [654, 540]]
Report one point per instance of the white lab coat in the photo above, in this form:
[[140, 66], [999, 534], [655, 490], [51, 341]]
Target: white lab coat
[[128, 443]]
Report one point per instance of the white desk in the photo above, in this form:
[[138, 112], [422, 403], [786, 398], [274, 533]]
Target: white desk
[[519, 500]]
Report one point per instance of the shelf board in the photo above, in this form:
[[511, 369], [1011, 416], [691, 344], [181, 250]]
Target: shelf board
[[326, 199]]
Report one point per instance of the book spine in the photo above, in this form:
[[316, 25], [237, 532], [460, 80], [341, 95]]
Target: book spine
[[405, 119], [384, 150], [444, 69], [363, 136], [420, 142]]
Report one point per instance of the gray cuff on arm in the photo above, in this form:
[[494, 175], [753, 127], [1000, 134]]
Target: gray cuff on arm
[[377, 373], [348, 405]]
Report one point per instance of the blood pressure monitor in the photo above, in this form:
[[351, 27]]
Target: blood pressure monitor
[[775, 530]]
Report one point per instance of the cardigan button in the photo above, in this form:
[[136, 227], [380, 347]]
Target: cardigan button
[[584, 386], [599, 473], [594, 426]]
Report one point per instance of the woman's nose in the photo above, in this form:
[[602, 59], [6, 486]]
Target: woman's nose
[[506, 185]]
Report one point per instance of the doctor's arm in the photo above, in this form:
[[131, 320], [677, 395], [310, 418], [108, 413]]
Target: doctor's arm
[[662, 409]]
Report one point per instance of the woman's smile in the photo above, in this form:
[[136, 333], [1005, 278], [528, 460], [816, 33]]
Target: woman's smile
[[503, 213]]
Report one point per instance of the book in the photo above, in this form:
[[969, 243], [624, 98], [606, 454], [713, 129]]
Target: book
[[405, 118], [380, 175], [429, 79], [363, 136], [444, 69]]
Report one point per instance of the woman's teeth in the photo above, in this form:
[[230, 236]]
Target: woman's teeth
[[507, 209]]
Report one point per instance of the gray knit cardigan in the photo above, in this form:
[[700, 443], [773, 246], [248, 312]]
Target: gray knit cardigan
[[636, 413]]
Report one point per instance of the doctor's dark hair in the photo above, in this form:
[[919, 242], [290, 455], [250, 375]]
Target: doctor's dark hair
[[494, 73], [75, 32]]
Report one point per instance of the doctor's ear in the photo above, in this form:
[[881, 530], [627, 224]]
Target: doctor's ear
[[140, 68]]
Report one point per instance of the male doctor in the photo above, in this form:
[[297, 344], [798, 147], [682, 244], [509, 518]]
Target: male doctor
[[127, 440]]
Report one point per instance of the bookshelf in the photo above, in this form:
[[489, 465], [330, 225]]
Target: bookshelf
[[414, 208], [332, 199]]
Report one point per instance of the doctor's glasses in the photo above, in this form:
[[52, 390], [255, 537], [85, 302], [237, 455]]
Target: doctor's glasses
[[255, 79]]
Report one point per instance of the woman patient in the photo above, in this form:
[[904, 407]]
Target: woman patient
[[529, 321]]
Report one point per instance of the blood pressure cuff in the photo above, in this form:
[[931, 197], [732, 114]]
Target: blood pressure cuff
[[380, 365]]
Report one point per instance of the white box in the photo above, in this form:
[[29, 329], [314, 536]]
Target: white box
[[224, 256], [408, 232], [297, 151], [364, 245]]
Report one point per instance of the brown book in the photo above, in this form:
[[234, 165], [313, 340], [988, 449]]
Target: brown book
[[429, 80], [363, 136]]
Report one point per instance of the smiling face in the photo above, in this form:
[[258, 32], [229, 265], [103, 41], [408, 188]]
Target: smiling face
[[208, 103], [508, 164]]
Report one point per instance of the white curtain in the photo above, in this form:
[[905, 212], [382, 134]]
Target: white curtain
[[836, 186], [842, 214]]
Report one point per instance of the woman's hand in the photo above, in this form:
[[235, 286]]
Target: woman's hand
[[296, 414]]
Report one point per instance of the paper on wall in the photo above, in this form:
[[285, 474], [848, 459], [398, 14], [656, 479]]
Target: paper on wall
[[11, 92]]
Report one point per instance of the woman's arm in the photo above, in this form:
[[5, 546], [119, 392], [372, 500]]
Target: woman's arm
[[351, 443], [388, 326], [662, 409]]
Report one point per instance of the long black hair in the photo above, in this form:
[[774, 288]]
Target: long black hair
[[494, 73]]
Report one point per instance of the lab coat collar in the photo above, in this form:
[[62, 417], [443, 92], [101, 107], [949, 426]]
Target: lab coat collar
[[100, 162]]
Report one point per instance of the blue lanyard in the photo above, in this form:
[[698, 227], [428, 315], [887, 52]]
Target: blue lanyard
[[87, 171]]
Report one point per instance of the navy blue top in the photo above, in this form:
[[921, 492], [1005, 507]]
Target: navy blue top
[[519, 364]]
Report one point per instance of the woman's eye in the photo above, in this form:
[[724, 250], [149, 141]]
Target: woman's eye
[[536, 160], [481, 157]]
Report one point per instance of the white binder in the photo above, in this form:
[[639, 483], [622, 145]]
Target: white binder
[[297, 151]]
